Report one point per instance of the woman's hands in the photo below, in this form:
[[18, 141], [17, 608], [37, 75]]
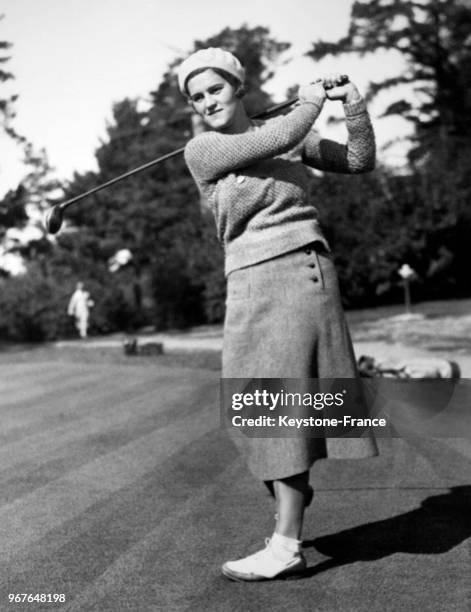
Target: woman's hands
[[313, 92], [346, 93], [329, 88]]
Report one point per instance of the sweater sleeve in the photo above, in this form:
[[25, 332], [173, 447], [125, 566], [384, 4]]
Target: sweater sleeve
[[357, 156], [212, 154]]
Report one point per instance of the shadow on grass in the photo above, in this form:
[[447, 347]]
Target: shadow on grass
[[438, 525]]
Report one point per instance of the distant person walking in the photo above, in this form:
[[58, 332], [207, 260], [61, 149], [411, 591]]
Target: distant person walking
[[284, 317], [79, 307]]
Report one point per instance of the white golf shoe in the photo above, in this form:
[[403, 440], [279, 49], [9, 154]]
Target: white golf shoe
[[264, 565]]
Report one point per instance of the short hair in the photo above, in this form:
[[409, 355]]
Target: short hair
[[227, 76]]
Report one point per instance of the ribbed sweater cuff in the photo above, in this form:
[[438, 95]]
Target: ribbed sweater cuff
[[355, 108], [315, 102]]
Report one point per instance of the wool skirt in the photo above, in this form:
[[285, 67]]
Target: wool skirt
[[284, 319]]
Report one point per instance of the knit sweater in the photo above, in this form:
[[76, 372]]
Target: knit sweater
[[256, 182]]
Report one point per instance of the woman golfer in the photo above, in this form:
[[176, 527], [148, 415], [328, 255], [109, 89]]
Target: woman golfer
[[284, 317]]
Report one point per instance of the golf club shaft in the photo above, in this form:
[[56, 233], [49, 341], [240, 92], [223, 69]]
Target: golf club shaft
[[121, 177], [262, 115], [269, 111]]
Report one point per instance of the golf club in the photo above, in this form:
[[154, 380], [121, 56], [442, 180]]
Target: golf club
[[54, 217]]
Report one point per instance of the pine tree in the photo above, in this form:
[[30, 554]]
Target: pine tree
[[425, 218], [7, 112], [433, 38]]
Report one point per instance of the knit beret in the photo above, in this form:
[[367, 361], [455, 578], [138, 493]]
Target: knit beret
[[212, 57]]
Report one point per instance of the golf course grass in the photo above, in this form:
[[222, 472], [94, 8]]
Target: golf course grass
[[120, 489]]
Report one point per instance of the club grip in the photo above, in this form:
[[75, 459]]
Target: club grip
[[342, 80]]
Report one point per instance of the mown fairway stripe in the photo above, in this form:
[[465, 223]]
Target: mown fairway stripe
[[27, 392], [139, 418], [112, 402], [100, 402], [173, 561], [133, 525], [14, 377], [31, 517]]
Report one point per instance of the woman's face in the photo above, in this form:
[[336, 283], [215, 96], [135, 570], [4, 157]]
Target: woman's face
[[213, 98]]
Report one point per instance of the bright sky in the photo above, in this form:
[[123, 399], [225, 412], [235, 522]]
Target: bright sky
[[73, 58]]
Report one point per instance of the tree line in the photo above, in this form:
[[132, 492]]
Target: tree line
[[375, 222]]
